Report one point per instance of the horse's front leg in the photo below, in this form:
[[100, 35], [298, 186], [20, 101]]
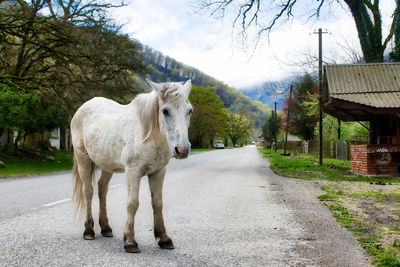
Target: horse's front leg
[[133, 177], [156, 181]]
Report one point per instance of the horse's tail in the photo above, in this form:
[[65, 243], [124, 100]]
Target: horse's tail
[[77, 195]]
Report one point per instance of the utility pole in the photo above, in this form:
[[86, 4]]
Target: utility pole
[[320, 32], [288, 117], [275, 130]]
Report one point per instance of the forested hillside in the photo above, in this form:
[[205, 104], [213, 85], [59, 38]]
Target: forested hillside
[[51, 62], [161, 68]]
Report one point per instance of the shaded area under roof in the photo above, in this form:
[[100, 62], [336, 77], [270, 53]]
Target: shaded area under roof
[[362, 92]]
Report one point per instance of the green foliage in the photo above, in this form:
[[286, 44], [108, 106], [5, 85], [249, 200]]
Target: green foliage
[[349, 131], [53, 61], [28, 112], [303, 109], [306, 125], [208, 117], [271, 127], [237, 127]]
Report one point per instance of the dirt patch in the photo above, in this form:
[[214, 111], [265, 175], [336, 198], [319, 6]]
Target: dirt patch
[[317, 173], [376, 205], [381, 215]]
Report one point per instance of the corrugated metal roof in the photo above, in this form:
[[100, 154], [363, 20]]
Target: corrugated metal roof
[[376, 85]]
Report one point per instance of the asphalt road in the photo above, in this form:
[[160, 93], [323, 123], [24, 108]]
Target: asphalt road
[[221, 208]]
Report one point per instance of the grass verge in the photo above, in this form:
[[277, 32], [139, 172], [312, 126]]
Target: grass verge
[[367, 206], [306, 167], [201, 149], [32, 164]]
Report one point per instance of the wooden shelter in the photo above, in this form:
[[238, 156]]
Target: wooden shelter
[[368, 92]]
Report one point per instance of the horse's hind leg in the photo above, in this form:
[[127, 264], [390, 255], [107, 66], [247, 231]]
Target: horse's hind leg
[[103, 189], [156, 183], [86, 171]]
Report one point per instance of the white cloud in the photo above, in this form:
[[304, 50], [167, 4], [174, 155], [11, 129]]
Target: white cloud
[[197, 40]]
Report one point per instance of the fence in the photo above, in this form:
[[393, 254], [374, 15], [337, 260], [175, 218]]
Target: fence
[[335, 150]]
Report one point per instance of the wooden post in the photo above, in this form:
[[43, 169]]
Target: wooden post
[[320, 32], [288, 117]]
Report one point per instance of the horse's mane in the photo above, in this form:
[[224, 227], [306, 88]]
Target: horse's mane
[[147, 108]]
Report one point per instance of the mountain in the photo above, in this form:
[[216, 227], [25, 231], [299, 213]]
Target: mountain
[[271, 91], [161, 68]]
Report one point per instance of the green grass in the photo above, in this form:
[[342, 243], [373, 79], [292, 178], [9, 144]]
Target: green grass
[[306, 167], [379, 195], [36, 164], [201, 149]]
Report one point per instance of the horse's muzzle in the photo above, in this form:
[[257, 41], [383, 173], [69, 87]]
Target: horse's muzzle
[[181, 152]]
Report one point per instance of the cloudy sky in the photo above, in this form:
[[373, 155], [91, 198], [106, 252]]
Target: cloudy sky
[[179, 30]]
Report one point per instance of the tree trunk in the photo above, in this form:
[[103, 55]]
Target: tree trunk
[[63, 140], [17, 141], [370, 34], [395, 54]]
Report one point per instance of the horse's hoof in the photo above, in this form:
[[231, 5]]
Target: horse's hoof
[[131, 247], [166, 244], [88, 234], [107, 232], [88, 237]]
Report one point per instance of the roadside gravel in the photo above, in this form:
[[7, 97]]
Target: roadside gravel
[[323, 239]]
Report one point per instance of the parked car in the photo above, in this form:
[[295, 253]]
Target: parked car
[[219, 145]]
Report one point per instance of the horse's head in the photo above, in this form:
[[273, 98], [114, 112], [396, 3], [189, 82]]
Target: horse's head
[[174, 115]]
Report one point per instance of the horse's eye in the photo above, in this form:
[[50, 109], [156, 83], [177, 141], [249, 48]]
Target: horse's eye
[[165, 112], [190, 111]]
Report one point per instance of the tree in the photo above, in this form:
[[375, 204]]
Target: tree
[[303, 109], [395, 54], [237, 127], [271, 127], [27, 113], [366, 15], [348, 130], [53, 61], [63, 53], [208, 117]]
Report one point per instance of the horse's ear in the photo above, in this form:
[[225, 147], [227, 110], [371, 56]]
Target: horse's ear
[[155, 86], [187, 87]]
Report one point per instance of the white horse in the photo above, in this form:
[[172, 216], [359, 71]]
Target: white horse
[[138, 139]]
